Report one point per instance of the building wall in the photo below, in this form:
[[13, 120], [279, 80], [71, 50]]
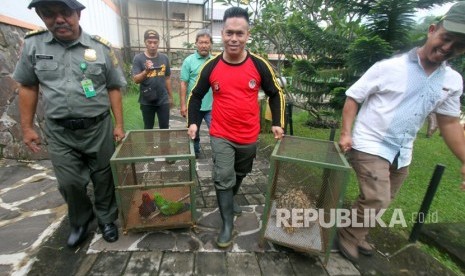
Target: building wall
[[10, 131], [153, 15]]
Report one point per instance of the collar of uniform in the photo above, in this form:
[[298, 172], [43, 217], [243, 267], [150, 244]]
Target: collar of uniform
[[48, 37], [413, 57], [197, 55], [84, 39]]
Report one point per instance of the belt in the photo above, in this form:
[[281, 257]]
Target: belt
[[81, 123]]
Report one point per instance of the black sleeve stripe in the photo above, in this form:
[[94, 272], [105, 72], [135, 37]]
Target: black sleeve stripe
[[270, 69], [199, 90], [267, 73], [207, 70]]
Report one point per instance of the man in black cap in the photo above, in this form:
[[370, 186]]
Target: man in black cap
[[80, 81], [152, 71], [396, 96]]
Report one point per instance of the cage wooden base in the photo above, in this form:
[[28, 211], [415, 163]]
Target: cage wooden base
[[156, 220]]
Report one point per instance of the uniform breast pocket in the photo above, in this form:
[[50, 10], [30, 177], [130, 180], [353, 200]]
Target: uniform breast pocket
[[47, 70], [95, 72]]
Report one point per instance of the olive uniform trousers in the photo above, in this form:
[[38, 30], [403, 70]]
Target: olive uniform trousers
[[78, 157]]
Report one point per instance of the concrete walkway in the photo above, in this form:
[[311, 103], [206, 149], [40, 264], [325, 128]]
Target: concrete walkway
[[34, 229], [31, 209]]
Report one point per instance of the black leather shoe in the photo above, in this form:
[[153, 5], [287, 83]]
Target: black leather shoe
[[109, 232], [78, 234]]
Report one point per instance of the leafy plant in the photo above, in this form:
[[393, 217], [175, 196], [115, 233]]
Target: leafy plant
[[392, 20], [338, 98], [365, 51]]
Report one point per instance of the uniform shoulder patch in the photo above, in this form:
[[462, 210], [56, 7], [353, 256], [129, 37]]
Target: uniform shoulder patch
[[105, 42], [35, 32], [101, 40]]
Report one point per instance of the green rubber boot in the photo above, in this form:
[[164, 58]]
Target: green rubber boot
[[237, 208], [226, 205]]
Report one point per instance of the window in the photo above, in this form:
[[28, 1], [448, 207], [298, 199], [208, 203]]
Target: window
[[179, 20]]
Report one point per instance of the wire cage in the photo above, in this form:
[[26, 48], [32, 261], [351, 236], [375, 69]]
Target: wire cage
[[306, 185], [155, 179]]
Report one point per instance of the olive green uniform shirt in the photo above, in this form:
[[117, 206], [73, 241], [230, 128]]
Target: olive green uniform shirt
[[57, 68], [81, 155]]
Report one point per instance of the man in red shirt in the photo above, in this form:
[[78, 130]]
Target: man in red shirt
[[235, 77]]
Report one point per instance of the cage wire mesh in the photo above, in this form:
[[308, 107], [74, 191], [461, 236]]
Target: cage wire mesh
[[160, 143], [306, 174], [154, 173]]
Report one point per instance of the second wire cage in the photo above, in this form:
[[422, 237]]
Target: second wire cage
[[305, 187]]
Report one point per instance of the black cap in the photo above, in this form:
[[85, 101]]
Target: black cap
[[151, 34], [72, 4]]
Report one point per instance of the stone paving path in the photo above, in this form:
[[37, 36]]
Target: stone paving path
[[195, 248], [31, 208], [33, 236]]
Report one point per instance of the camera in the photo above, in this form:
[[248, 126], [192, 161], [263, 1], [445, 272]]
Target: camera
[[153, 67]]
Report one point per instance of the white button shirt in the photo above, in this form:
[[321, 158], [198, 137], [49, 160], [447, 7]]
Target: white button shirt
[[396, 97]]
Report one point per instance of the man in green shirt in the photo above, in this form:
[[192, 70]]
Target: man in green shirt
[[189, 71], [80, 81]]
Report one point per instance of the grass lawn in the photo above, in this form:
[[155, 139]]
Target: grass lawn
[[131, 111], [447, 205], [131, 108], [449, 199], [448, 202]]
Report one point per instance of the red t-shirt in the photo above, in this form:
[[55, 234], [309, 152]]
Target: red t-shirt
[[236, 111]]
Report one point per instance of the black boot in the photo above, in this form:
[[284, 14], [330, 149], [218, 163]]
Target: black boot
[[225, 204], [78, 234], [237, 208]]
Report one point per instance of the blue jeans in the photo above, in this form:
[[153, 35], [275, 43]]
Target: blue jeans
[[207, 116]]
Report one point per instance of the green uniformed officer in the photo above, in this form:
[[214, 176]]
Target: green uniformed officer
[[80, 81]]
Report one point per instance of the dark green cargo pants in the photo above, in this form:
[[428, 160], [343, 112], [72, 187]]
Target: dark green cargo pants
[[230, 160], [79, 156]]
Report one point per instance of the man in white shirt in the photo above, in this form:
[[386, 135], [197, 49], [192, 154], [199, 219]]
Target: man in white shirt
[[396, 96]]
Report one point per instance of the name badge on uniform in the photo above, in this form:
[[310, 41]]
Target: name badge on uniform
[[88, 87], [90, 55], [39, 56]]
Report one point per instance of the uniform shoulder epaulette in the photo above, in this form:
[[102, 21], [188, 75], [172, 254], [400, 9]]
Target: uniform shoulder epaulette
[[101, 40], [35, 32]]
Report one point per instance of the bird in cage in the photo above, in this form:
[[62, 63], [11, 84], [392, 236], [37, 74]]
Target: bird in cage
[[169, 208], [147, 206], [293, 199]]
